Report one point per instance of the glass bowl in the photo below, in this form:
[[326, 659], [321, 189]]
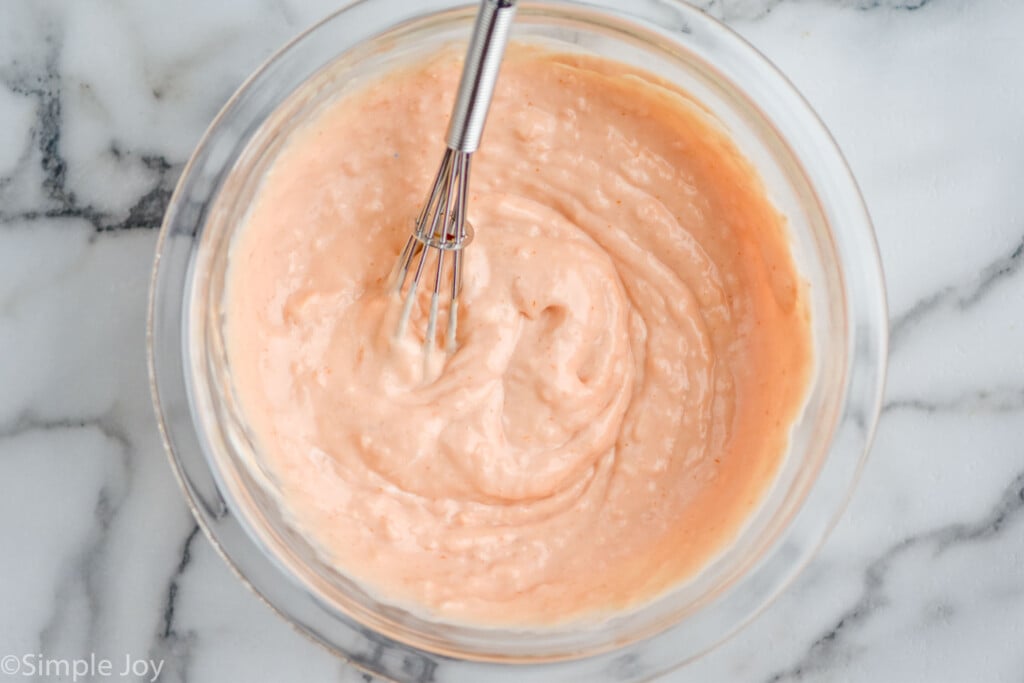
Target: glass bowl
[[210, 448]]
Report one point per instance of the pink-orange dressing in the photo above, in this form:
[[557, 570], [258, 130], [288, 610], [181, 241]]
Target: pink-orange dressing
[[633, 343]]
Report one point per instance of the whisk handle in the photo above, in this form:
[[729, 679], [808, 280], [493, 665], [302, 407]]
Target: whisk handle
[[480, 73]]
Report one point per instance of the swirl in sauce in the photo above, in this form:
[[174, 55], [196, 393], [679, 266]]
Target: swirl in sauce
[[634, 344]]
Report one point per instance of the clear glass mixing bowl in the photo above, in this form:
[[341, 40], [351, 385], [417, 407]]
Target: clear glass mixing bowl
[[212, 453]]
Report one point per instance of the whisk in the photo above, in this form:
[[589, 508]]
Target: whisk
[[441, 228]]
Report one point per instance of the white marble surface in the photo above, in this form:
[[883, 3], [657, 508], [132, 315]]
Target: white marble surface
[[100, 104]]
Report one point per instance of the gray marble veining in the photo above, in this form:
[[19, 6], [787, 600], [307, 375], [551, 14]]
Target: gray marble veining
[[100, 105]]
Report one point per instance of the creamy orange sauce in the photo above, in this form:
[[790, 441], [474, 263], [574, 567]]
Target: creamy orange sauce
[[633, 344]]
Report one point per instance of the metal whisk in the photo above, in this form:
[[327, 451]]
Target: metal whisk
[[441, 227]]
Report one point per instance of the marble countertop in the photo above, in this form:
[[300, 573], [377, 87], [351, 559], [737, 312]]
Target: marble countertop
[[100, 104]]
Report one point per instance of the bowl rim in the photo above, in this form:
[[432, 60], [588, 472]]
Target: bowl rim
[[870, 339]]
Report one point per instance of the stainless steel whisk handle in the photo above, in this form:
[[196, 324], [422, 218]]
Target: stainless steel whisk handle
[[480, 73]]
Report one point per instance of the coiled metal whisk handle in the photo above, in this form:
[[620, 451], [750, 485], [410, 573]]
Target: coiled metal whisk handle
[[480, 73]]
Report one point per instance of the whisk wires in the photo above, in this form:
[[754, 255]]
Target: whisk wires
[[441, 228]]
